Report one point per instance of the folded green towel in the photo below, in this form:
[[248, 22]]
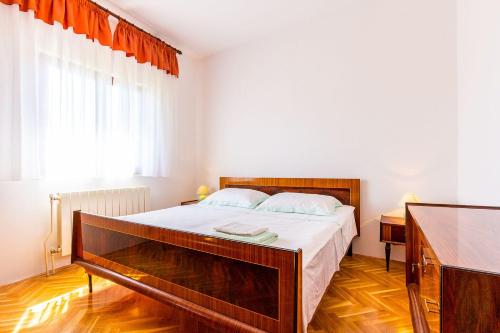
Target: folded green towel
[[264, 238]]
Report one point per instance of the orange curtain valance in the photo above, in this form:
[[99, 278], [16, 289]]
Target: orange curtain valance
[[145, 48], [92, 21], [83, 16]]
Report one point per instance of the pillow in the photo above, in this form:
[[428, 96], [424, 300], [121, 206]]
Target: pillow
[[235, 197], [301, 203]]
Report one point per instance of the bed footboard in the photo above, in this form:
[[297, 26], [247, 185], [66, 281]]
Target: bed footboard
[[227, 285]]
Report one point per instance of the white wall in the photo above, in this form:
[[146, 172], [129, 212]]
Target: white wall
[[25, 208], [369, 90], [479, 102], [366, 91]]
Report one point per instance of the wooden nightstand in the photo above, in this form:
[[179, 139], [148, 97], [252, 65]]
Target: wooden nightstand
[[392, 231], [190, 202]]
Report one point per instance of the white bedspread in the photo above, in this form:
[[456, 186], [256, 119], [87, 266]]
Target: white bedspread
[[323, 239]]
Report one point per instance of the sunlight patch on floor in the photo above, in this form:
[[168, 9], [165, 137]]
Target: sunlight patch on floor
[[39, 313], [42, 312]]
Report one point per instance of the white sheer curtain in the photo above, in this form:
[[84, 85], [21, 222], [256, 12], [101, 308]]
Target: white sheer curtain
[[73, 108]]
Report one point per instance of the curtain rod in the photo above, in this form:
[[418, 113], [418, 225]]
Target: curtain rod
[[121, 18]]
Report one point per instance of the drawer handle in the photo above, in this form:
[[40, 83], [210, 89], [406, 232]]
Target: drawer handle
[[428, 301], [425, 263]]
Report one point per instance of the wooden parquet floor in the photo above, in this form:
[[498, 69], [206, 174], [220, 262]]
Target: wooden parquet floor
[[362, 297]]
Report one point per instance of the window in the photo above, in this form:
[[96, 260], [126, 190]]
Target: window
[[90, 125], [73, 109]]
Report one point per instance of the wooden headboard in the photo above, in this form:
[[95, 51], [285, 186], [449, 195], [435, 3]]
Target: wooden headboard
[[346, 191]]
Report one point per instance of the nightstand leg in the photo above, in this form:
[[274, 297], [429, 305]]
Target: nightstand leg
[[387, 255], [90, 283]]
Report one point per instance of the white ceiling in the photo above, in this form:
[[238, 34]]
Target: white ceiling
[[205, 27]]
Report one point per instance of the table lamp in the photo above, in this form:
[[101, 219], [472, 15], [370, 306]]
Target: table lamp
[[408, 197], [202, 192]]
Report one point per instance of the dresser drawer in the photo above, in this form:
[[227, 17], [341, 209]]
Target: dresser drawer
[[430, 284]]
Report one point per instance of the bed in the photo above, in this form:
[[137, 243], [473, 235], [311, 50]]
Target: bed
[[172, 255]]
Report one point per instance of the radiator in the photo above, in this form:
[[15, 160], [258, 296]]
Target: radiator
[[110, 202]]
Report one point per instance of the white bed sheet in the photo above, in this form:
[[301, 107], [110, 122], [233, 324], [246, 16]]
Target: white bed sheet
[[324, 240]]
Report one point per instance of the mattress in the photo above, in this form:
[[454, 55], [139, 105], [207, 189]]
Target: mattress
[[324, 240]]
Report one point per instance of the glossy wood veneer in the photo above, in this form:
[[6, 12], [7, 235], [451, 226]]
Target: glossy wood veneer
[[462, 236], [452, 260], [346, 191], [97, 253], [249, 286]]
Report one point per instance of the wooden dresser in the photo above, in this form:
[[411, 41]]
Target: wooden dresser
[[453, 268]]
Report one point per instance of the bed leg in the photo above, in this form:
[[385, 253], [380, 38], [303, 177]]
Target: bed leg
[[349, 250], [90, 283]]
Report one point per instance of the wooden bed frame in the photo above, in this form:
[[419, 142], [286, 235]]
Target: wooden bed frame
[[221, 285]]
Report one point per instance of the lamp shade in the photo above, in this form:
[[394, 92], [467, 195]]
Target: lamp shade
[[202, 192], [408, 197]]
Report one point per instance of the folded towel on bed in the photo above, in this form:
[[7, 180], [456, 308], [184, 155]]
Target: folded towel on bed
[[240, 229], [262, 238]]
